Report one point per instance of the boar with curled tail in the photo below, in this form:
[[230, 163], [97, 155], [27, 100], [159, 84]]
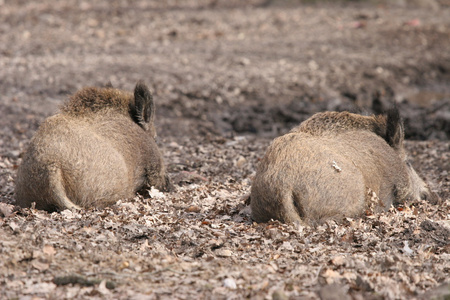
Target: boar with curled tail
[[99, 149], [334, 165]]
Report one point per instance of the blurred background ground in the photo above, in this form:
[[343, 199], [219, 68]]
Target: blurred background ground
[[227, 76]]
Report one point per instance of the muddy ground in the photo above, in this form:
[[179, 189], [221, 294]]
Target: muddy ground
[[227, 78]]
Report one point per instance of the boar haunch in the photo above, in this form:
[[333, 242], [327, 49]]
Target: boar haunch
[[99, 149], [335, 165]]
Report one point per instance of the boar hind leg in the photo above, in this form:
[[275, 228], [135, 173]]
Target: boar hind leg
[[58, 196], [292, 209], [284, 207]]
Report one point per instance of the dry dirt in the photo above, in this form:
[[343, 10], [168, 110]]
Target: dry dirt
[[227, 78]]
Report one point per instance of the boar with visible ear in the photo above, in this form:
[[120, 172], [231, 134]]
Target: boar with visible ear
[[335, 165], [99, 149]]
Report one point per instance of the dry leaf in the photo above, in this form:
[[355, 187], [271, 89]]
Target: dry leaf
[[331, 275], [40, 265], [223, 253], [338, 260], [49, 250]]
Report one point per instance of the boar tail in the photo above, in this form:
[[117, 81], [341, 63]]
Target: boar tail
[[58, 191], [293, 212]]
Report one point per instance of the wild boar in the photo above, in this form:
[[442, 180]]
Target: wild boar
[[100, 148], [334, 165]]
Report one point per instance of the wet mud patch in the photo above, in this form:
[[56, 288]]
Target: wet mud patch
[[421, 123]]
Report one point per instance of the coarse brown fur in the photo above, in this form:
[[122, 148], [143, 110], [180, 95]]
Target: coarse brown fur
[[335, 165], [336, 122], [99, 149]]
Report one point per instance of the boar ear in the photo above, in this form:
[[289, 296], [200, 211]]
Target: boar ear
[[109, 85], [394, 129], [144, 107]]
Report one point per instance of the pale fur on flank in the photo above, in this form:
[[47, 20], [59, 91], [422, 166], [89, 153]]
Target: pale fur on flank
[[99, 149], [331, 166]]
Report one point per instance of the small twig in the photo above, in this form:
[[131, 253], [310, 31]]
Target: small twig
[[438, 239], [148, 274], [318, 273], [81, 280]]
